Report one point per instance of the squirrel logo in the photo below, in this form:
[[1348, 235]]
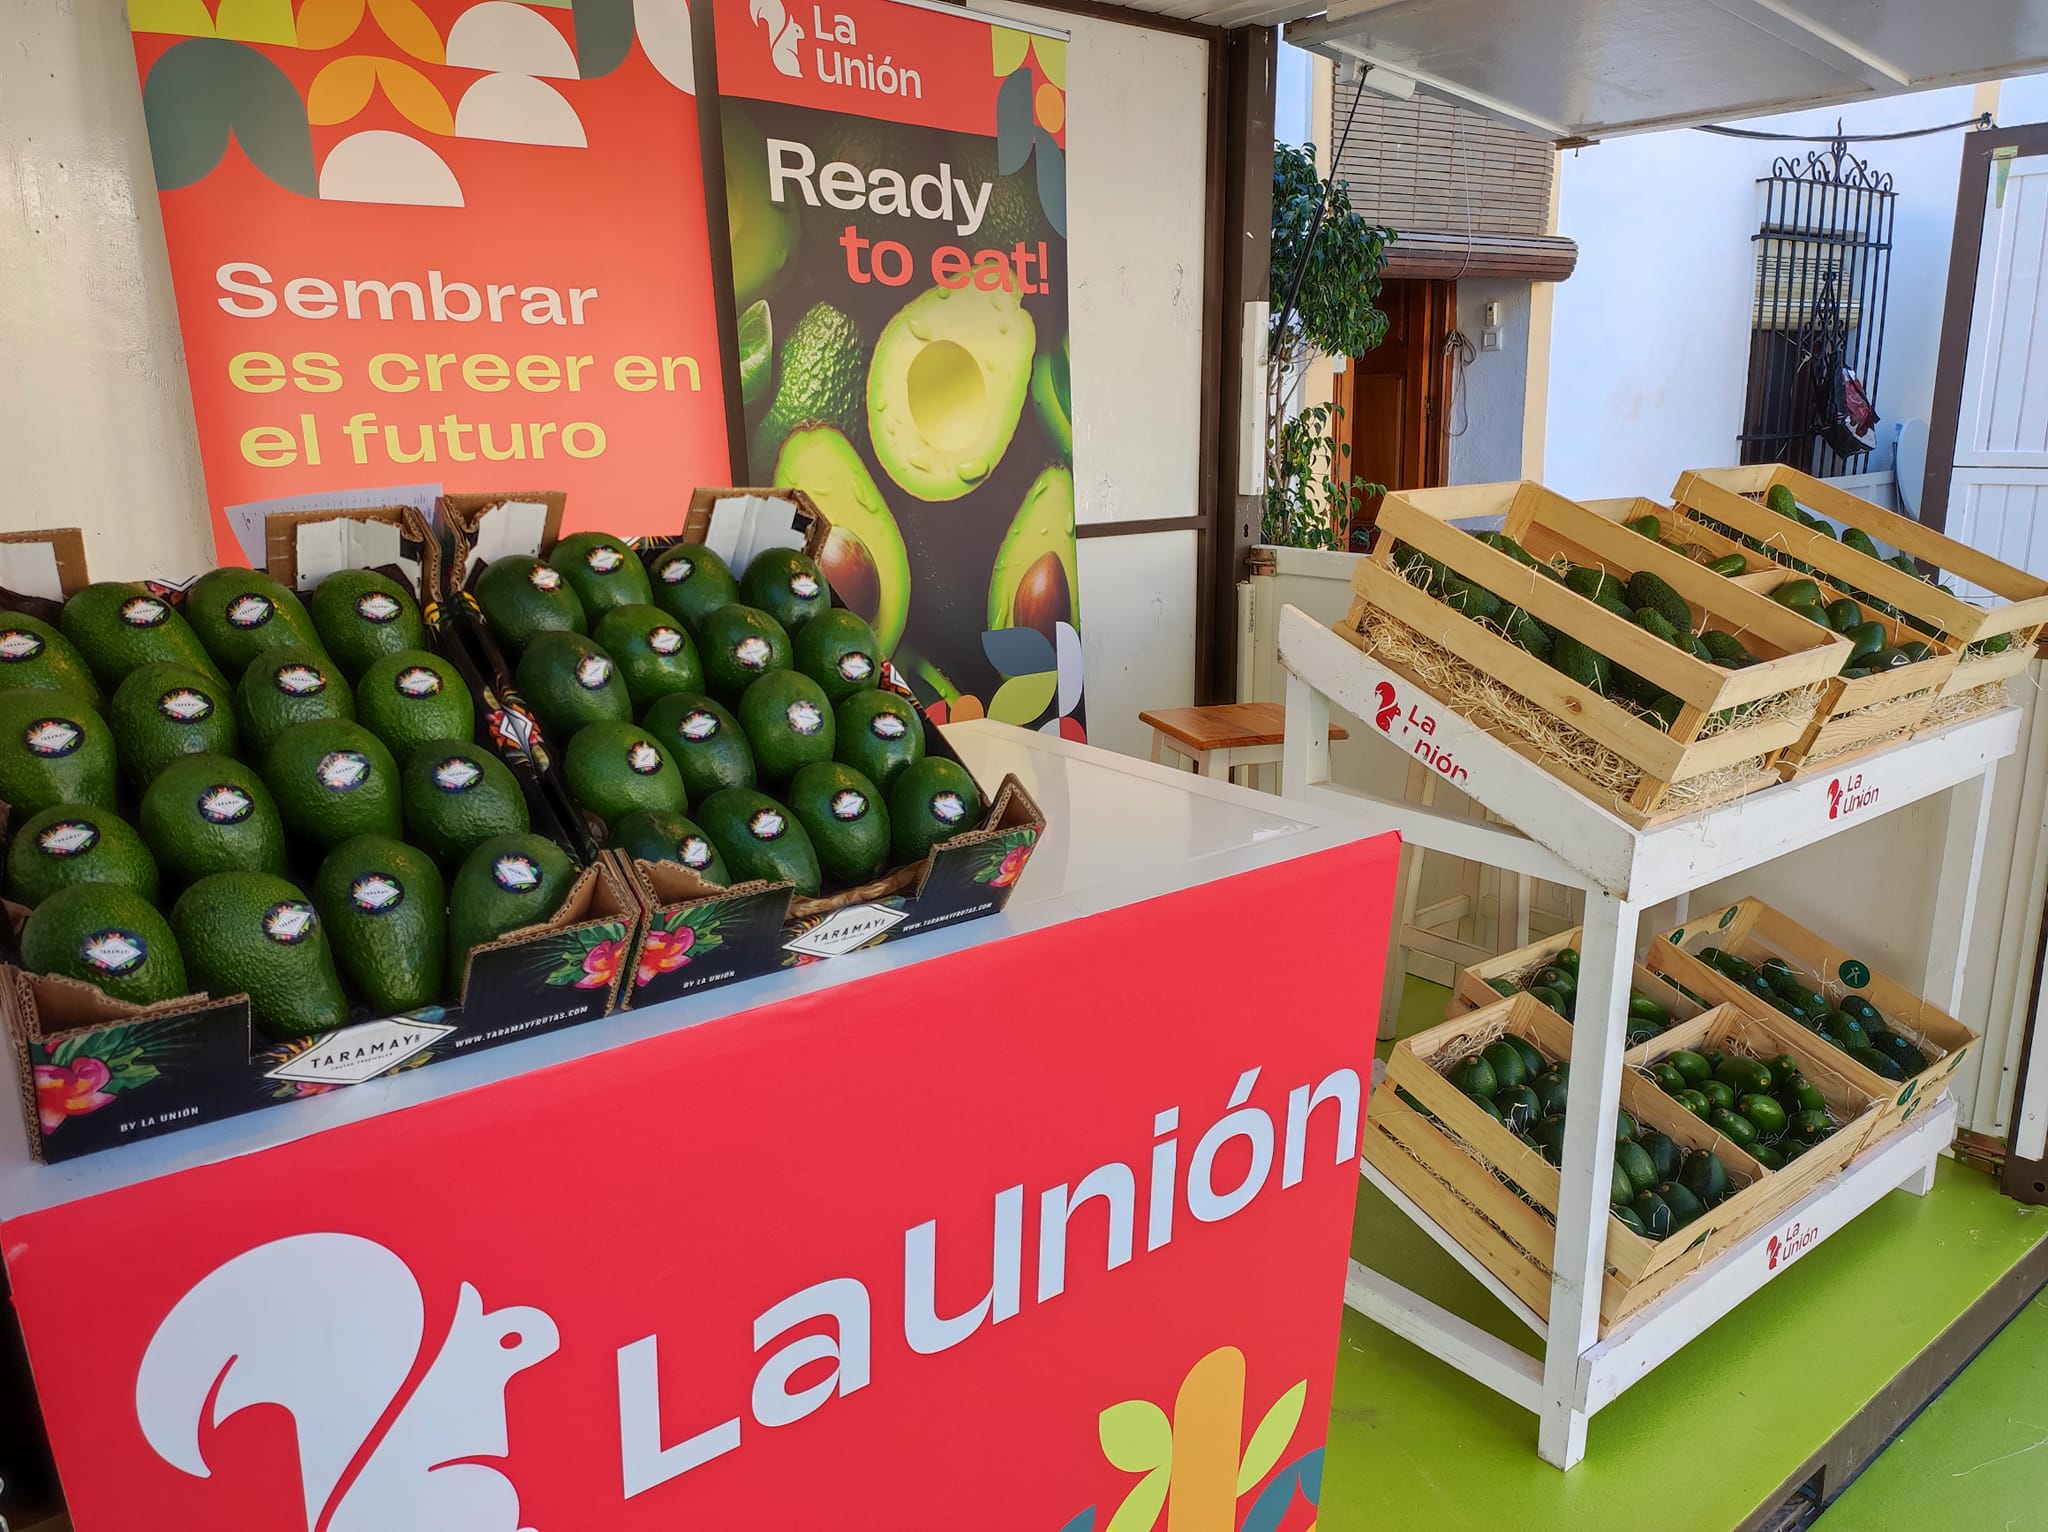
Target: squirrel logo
[[341, 1377], [784, 36], [1389, 708]]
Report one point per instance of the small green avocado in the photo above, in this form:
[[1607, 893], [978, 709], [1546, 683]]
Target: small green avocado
[[603, 572]]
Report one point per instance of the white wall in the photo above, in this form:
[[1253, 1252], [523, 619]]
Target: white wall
[[1490, 394]]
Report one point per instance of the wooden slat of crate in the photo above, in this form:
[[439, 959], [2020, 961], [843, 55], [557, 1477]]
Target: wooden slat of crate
[[1679, 527], [1753, 931], [1472, 989]]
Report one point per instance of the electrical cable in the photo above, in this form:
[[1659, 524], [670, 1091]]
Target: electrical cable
[[1982, 120], [1315, 223], [1458, 347]]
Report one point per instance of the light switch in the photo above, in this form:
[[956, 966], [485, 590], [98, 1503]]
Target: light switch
[[1489, 340]]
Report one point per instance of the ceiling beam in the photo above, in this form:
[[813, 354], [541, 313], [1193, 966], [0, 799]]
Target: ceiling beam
[[1817, 42]]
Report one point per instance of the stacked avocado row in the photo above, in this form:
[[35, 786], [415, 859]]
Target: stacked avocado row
[[1652, 527], [1853, 1024], [1772, 1110], [1869, 648], [1556, 984], [736, 725], [1643, 598], [247, 793]]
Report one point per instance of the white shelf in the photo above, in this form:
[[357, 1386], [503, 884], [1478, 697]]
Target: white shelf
[[1556, 833]]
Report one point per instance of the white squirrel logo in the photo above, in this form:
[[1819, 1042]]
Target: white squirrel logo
[[784, 36], [338, 1378]]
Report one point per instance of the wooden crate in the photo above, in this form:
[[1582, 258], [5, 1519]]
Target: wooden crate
[[1473, 989], [1638, 1268], [1734, 496], [1688, 537], [1753, 931], [1795, 657]]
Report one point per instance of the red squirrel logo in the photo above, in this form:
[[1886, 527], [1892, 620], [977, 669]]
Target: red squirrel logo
[[1389, 709]]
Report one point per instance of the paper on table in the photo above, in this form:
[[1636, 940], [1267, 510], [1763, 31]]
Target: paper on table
[[743, 525], [248, 519], [31, 569]]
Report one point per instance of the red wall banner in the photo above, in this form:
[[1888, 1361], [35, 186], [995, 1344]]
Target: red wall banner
[[1040, 1235], [438, 241]]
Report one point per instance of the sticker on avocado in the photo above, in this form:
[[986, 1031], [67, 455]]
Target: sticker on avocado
[[643, 757], [377, 607], [144, 612], [887, 726], [677, 570], [803, 586], [805, 717], [694, 851], [855, 666], [68, 837], [948, 808], [225, 804], [593, 671], [299, 680], [752, 652], [457, 774], [416, 681], [52, 737], [849, 805], [545, 577], [698, 726], [289, 922], [343, 771], [184, 705], [515, 874], [113, 952], [19, 644], [1854, 974], [766, 824], [664, 640], [602, 559], [376, 893], [250, 611]]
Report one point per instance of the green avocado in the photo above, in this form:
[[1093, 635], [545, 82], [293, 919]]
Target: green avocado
[[1649, 590], [931, 802], [843, 813], [288, 686], [1779, 498], [410, 697], [763, 231], [1052, 397], [661, 835], [363, 616], [506, 883], [569, 682], [788, 721], [249, 933], [522, 598], [879, 734], [760, 839], [120, 626], [787, 585], [690, 582], [386, 914], [864, 558], [333, 780], [654, 652], [603, 572], [108, 936], [706, 743], [1033, 583], [241, 613], [205, 813], [72, 843], [947, 387], [837, 649], [53, 749], [455, 794], [738, 645], [824, 369], [615, 768], [162, 712], [32, 653]]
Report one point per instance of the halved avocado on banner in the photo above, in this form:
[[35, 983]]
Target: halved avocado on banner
[[824, 375], [1033, 584], [946, 388], [1052, 396], [763, 232], [863, 557]]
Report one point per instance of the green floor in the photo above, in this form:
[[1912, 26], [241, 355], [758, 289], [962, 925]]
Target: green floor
[[1706, 1438]]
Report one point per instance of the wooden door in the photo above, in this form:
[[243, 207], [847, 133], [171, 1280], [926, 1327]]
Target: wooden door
[[1395, 397]]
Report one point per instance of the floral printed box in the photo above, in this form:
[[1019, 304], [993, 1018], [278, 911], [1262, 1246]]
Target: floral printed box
[[95, 1072]]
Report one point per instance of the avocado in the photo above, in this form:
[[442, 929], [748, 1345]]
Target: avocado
[[878, 734], [603, 572], [240, 613], [864, 558], [1580, 663], [410, 697], [250, 933], [1033, 581], [385, 909], [1593, 584], [843, 813], [763, 231], [206, 813], [787, 585], [287, 686], [1844, 614], [931, 802], [1526, 633], [947, 387], [71, 843], [507, 883], [1857, 538], [690, 582], [1655, 624], [1796, 593], [705, 742], [108, 936], [654, 652], [1648, 590], [1634, 1161], [333, 780], [522, 598], [362, 617], [53, 749], [569, 682], [788, 721], [837, 649], [456, 794], [1053, 399], [1509, 1067], [737, 646], [660, 835], [824, 371], [760, 839], [118, 627], [164, 711], [1729, 564], [32, 653], [614, 768], [1726, 648]]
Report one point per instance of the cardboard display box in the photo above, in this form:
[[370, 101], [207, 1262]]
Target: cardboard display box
[[1473, 989], [696, 934], [95, 1072]]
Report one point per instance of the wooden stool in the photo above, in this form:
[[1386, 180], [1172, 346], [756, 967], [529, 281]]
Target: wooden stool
[[1219, 740]]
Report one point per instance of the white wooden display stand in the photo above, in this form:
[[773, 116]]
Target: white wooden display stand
[[1565, 837]]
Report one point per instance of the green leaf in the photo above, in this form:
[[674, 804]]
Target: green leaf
[[1272, 1436], [1021, 699]]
